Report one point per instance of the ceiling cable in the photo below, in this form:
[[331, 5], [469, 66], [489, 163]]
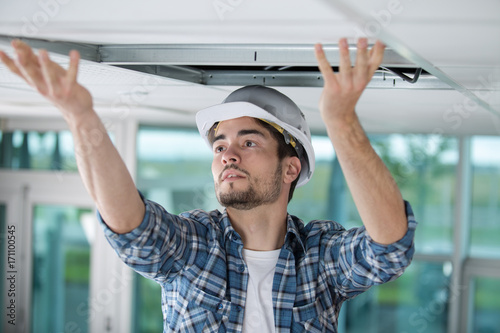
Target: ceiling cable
[[403, 76]]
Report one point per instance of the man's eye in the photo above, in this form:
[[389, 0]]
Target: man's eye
[[250, 144], [219, 149]]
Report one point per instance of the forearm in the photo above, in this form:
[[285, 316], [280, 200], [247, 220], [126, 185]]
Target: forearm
[[375, 192], [101, 167], [373, 188], [104, 174]]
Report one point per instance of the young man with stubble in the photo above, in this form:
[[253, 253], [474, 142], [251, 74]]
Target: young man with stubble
[[251, 267]]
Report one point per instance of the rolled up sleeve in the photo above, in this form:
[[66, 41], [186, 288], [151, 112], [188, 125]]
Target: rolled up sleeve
[[158, 247], [358, 262]]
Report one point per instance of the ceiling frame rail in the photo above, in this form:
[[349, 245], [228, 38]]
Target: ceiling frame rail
[[313, 78], [183, 73], [231, 55], [277, 78], [88, 52], [179, 61]]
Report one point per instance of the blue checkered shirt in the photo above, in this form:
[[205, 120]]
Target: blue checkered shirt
[[197, 259]]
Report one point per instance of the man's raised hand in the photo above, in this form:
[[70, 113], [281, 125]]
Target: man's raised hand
[[342, 90], [57, 84]]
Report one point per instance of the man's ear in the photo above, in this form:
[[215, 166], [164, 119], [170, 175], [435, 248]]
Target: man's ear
[[292, 169]]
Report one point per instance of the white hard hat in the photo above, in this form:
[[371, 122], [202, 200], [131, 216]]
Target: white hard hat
[[272, 106]]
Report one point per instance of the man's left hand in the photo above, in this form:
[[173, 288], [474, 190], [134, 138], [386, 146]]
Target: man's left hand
[[342, 90]]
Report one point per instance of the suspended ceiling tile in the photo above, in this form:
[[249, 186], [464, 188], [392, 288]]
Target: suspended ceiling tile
[[177, 99], [19, 93], [385, 12], [416, 111], [217, 21], [475, 78], [446, 33], [194, 32], [437, 36], [449, 34], [459, 44], [160, 11], [97, 74]]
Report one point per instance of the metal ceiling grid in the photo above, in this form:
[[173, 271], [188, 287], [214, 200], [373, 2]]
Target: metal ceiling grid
[[222, 64]]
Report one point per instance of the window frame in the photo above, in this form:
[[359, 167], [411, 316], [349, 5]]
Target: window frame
[[22, 190]]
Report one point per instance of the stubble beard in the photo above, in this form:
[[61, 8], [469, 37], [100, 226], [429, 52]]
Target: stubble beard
[[251, 198]]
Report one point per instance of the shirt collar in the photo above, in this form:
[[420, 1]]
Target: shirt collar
[[293, 239], [227, 228]]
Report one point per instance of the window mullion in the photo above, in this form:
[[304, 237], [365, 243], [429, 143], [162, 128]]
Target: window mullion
[[457, 319]]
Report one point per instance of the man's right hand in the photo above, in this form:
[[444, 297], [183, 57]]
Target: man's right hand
[[102, 170], [58, 85]]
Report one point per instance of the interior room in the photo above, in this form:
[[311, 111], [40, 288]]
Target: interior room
[[431, 112]]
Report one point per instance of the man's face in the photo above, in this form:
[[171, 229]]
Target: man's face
[[246, 169]]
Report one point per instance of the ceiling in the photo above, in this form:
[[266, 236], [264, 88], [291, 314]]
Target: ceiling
[[162, 61]]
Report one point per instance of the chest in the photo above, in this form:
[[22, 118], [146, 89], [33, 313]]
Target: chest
[[213, 292]]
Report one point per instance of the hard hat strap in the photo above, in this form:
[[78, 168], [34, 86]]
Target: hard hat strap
[[289, 139]]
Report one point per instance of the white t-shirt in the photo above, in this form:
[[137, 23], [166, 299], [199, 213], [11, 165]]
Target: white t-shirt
[[259, 313]]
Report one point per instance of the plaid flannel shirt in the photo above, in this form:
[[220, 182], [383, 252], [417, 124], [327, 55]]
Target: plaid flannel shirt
[[197, 259]]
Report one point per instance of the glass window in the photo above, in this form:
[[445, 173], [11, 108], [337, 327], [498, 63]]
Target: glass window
[[174, 170], [37, 150], [485, 229], [61, 267], [486, 312], [424, 167], [416, 302], [310, 202], [147, 303]]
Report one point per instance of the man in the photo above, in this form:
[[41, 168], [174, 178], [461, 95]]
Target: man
[[252, 267]]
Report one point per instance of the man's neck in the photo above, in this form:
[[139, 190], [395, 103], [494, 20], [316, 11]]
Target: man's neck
[[262, 228]]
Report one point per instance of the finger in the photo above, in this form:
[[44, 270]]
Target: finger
[[53, 73], [344, 61], [24, 52], [11, 65], [324, 66], [376, 57], [48, 71], [74, 59], [27, 63], [361, 67]]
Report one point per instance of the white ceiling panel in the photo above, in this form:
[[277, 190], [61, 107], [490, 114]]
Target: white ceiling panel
[[475, 78], [457, 41], [460, 44], [162, 22]]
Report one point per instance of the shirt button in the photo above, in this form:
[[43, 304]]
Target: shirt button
[[241, 268], [220, 306], [239, 308]]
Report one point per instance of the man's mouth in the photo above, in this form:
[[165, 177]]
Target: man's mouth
[[231, 176], [232, 173]]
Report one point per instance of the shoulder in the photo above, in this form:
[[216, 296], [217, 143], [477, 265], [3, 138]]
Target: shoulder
[[317, 228], [196, 220], [317, 232], [209, 219], [202, 216]]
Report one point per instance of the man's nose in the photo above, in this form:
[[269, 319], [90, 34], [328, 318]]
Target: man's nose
[[230, 155]]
